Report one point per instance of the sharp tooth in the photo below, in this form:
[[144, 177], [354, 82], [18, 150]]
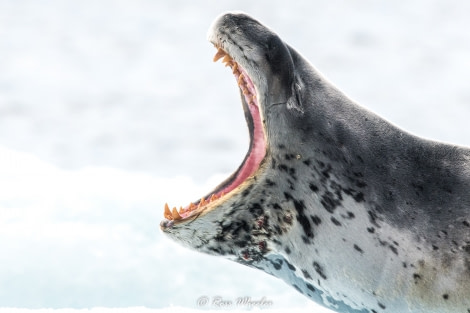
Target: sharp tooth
[[167, 213], [192, 206], [227, 59], [213, 197], [202, 202], [235, 67], [220, 53], [176, 215], [181, 210]]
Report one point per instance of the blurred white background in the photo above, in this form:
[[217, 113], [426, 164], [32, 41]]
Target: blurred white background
[[109, 109]]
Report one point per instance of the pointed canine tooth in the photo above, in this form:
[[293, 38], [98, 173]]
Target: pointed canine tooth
[[175, 214], [235, 67], [219, 54], [181, 210], [192, 206], [227, 59], [167, 213], [202, 202], [213, 197]]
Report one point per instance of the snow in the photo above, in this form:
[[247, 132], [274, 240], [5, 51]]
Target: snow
[[109, 109]]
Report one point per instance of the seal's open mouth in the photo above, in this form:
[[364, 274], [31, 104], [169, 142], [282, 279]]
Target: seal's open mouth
[[255, 155]]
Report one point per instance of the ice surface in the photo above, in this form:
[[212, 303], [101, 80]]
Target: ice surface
[[109, 109]]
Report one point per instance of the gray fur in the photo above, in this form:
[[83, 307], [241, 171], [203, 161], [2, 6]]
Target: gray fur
[[353, 212]]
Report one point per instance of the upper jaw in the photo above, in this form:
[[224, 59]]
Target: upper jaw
[[229, 34], [262, 54]]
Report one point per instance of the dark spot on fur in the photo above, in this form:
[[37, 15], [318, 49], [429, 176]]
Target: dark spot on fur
[[277, 264], [315, 219], [361, 184], [358, 248], [317, 267], [373, 311], [306, 274], [270, 183], [434, 247], [282, 167], [416, 278], [394, 249], [371, 230], [302, 218], [307, 162], [287, 249], [383, 243], [288, 196], [290, 266], [246, 192], [329, 201], [335, 221], [289, 156], [256, 209], [310, 287], [349, 216], [326, 172], [359, 197], [373, 218], [306, 240], [292, 171], [381, 306], [298, 289], [466, 223], [276, 206], [313, 187], [445, 296]]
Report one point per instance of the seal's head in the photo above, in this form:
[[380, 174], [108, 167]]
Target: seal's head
[[233, 219]]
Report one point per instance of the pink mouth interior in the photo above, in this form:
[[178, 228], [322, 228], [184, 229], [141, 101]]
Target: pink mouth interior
[[258, 145], [257, 149]]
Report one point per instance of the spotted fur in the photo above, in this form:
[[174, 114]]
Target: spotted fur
[[351, 211]]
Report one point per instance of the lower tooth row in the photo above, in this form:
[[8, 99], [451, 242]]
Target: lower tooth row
[[174, 214]]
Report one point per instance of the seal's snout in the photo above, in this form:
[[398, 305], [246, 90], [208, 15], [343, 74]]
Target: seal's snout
[[165, 225]]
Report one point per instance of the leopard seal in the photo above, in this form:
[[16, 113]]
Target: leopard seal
[[350, 210]]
